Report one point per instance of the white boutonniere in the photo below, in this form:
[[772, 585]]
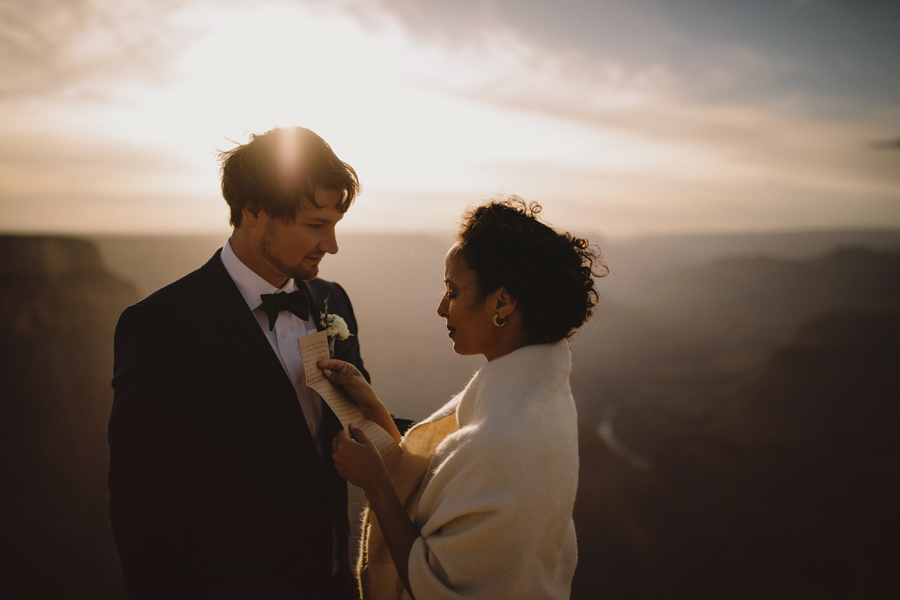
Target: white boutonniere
[[334, 325]]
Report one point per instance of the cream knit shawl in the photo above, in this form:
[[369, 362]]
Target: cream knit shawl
[[490, 480]]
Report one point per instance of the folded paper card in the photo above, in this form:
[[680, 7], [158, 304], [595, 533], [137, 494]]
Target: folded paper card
[[314, 348]]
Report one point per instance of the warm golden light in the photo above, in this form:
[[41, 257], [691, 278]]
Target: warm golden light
[[431, 123]]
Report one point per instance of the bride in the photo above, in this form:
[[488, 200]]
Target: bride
[[479, 503]]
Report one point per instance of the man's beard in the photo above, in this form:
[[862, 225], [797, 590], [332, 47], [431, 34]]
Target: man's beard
[[295, 271]]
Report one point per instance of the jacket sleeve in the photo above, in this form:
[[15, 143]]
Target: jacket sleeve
[[349, 350], [147, 437]]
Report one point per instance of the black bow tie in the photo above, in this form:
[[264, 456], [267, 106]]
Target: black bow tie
[[295, 302]]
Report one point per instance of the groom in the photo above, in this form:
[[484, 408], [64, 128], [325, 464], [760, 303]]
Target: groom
[[221, 479]]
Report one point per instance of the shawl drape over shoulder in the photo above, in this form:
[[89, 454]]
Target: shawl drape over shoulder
[[490, 480]]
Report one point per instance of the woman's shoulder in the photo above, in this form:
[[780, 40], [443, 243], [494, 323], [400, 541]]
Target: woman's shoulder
[[510, 458], [512, 412], [528, 385], [514, 421]]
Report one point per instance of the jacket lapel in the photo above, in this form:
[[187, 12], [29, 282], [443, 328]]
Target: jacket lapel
[[330, 421], [316, 303], [259, 368]]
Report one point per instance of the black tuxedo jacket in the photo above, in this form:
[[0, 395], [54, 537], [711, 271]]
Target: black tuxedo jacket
[[216, 488]]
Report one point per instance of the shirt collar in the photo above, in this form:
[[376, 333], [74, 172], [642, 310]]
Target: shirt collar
[[251, 285]]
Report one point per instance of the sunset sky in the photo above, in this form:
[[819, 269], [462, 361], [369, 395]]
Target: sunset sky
[[623, 117]]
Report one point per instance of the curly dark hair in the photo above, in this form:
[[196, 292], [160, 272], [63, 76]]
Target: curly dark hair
[[550, 274], [278, 172]]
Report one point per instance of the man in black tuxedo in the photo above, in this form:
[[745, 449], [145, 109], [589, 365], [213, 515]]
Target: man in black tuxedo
[[221, 479]]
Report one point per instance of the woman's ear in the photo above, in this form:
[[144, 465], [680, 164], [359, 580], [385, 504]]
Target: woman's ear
[[504, 304]]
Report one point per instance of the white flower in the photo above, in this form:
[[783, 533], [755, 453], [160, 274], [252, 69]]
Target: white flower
[[335, 325]]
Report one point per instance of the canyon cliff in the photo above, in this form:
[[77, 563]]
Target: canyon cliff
[[58, 311]]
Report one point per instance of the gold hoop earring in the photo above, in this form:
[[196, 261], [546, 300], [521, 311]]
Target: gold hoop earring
[[497, 320]]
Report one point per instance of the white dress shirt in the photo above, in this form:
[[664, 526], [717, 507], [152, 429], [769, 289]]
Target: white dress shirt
[[283, 338]]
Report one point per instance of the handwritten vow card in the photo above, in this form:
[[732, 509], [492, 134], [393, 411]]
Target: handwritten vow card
[[314, 348]]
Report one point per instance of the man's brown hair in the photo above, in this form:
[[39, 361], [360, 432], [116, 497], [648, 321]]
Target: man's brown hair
[[278, 172]]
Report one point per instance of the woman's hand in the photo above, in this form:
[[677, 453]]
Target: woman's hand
[[348, 377], [357, 460], [361, 393]]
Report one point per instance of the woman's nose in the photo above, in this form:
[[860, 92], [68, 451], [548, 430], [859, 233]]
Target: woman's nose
[[442, 308]]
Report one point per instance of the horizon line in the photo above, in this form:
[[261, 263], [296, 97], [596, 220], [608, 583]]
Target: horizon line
[[224, 233]]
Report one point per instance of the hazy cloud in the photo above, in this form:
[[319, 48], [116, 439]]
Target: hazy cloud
[[50, 47], [886, 144], [681, 114], [763, 89], [730, 50]]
